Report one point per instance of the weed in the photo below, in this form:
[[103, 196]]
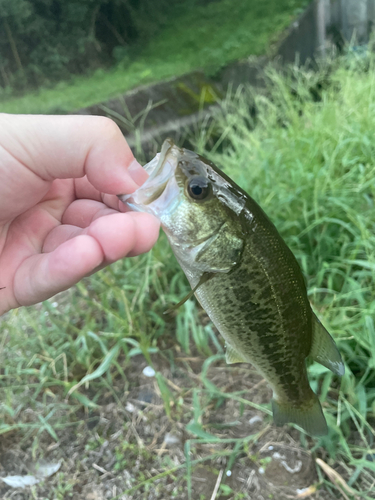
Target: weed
[[190, 40]]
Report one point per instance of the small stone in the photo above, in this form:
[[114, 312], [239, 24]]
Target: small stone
[[255, 420], [148, 371], [130, 407], [302, 491], [170, 439]]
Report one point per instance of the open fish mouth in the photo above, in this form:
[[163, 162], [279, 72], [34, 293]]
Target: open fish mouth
[[159, 194]]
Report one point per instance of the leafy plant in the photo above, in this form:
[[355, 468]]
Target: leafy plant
[[125, 43]]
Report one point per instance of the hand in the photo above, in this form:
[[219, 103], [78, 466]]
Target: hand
[[60, 218]]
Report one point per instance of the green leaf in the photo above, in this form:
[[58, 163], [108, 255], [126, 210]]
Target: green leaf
[[165, 393], [48, 428], [363, 263], [196, 429], [104, 365], [102, 368], [371, 333], [225, 489], [84, 400], [364, 463]]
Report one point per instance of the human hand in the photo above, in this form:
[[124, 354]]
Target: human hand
[[60, 218]]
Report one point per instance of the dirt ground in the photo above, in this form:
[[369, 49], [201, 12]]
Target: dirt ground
[[122, 449]]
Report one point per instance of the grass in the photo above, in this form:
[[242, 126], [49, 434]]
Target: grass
[[190, 40], [309, 162]]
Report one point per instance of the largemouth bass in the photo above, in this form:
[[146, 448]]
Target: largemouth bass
[[243, 275]]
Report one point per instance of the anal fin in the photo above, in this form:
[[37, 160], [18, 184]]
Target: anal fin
[[324, 349], [232, 356]]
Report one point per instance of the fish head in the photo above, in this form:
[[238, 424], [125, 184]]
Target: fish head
[[193, 200]]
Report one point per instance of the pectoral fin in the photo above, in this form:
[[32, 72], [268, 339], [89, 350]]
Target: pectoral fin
[[232, 356], [204, 278], [324, 349]]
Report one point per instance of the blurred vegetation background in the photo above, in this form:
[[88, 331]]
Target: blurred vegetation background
[[78, 53]]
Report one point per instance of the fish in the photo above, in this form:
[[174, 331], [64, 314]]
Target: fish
[[244, 276]]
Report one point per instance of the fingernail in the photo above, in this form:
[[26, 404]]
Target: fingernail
[[137, 172]]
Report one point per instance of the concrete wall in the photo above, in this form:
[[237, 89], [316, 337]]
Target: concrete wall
[[354, 19], [303, 37], [326, 23]]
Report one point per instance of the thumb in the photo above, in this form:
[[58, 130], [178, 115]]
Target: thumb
[[61, 147]]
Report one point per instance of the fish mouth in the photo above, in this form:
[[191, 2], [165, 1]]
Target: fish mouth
[[160, 191]]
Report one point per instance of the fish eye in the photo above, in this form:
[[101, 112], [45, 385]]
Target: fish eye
[[199, 188]]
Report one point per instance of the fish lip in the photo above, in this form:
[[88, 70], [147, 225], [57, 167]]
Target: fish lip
[[161, 170], [153, 169]]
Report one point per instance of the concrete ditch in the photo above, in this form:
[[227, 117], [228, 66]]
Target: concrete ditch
[[149, 114]]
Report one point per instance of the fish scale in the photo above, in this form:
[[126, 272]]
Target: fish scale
[[244, 275], [254, 323]]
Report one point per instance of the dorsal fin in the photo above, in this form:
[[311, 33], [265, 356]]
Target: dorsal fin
[[324, 349]]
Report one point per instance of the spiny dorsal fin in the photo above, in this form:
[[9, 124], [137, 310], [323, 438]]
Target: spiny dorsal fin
[[324, 349], [232, 356]]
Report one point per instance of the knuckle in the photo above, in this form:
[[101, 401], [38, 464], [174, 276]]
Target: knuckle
[[109, 128]]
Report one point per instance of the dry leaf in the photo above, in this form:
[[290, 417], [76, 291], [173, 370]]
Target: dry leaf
[[336, 479], [306, 492], [43, 471]]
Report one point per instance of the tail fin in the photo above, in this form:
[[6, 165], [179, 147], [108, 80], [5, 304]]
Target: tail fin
[[309, 416]]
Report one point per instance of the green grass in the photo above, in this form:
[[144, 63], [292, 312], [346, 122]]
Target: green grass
[[207, 37], [310, 164]]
